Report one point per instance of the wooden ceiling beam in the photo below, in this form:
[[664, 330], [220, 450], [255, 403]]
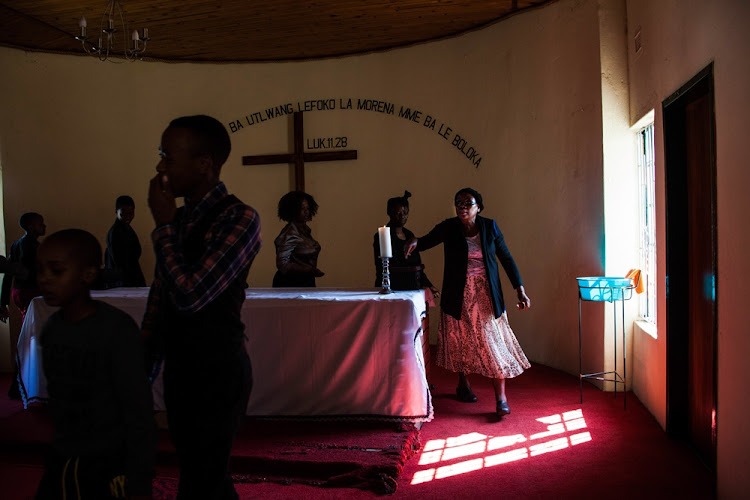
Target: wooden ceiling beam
[[241, 31]]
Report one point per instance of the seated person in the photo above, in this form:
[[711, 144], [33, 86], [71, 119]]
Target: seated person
[[296, 249]]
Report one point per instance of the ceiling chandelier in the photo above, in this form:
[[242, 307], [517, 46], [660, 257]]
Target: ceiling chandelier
[[113, 36]]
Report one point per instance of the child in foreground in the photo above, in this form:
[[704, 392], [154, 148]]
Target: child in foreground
[[104, 438]]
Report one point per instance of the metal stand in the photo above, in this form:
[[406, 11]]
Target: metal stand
[[386, 285], [613, 294]]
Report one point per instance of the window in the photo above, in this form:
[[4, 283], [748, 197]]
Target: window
[[647, 226]]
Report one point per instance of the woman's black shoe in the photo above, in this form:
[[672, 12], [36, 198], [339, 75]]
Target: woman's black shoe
[[502, 408], [465, 395]]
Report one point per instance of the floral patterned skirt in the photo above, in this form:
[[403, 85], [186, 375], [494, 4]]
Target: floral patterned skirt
[[478, 342]]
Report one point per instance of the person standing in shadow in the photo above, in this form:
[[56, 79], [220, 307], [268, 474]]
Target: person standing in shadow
[[296, 250], [21, 287], [407, 273], [204, 251], [123, 248], [104, 440]]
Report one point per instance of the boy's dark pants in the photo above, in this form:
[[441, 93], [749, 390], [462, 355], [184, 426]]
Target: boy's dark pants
[[205, 402]]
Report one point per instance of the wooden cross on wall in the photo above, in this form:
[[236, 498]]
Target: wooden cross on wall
[[299, 157]]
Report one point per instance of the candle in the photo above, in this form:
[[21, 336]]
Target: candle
[[82, 23], [135, 41], [384, 233]]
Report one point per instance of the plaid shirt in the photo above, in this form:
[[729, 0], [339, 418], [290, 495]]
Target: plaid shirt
[[233, 243]]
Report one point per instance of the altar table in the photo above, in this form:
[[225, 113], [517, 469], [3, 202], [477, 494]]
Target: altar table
[[315, 352]]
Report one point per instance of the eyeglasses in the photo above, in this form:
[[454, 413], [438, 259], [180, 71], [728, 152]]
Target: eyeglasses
[[464, 204]]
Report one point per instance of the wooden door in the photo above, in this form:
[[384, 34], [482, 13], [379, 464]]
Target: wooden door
[[691, 264], [701, 278]]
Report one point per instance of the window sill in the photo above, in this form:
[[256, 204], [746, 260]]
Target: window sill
[[648, 328]]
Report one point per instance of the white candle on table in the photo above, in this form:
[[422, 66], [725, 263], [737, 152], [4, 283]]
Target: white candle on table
[[384, 234]]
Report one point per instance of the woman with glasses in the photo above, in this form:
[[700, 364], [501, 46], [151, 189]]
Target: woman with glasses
[[474, 334]]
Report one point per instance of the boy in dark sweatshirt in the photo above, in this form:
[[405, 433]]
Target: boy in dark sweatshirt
[[104, 437]]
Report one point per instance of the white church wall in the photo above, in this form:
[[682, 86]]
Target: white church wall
[[525, 93], [679, 39]]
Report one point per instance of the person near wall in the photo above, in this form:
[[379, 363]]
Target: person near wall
[[405, 273], [474, 334], [104, 440], [296, 250], [123, 248], [12, 269], [21, 286], [203, 251]]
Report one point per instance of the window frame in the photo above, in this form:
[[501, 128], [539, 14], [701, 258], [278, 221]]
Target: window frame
[[647, 221]]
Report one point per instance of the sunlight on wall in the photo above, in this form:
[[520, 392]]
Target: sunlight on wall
[[475, 444]]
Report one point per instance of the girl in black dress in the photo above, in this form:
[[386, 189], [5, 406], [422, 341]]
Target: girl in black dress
[[407, 273]]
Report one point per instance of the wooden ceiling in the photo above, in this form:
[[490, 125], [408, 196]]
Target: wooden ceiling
[[254, 30]]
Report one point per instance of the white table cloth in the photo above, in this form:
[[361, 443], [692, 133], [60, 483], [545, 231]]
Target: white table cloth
[[314, 352]]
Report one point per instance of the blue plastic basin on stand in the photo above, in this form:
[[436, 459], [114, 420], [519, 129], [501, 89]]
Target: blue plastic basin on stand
[[604, 288]]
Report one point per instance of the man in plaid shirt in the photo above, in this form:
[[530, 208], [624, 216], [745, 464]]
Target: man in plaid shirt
[[203, 254]]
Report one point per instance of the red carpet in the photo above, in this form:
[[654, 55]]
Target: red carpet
[[550, 446], [331, 454], [364, 455]]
